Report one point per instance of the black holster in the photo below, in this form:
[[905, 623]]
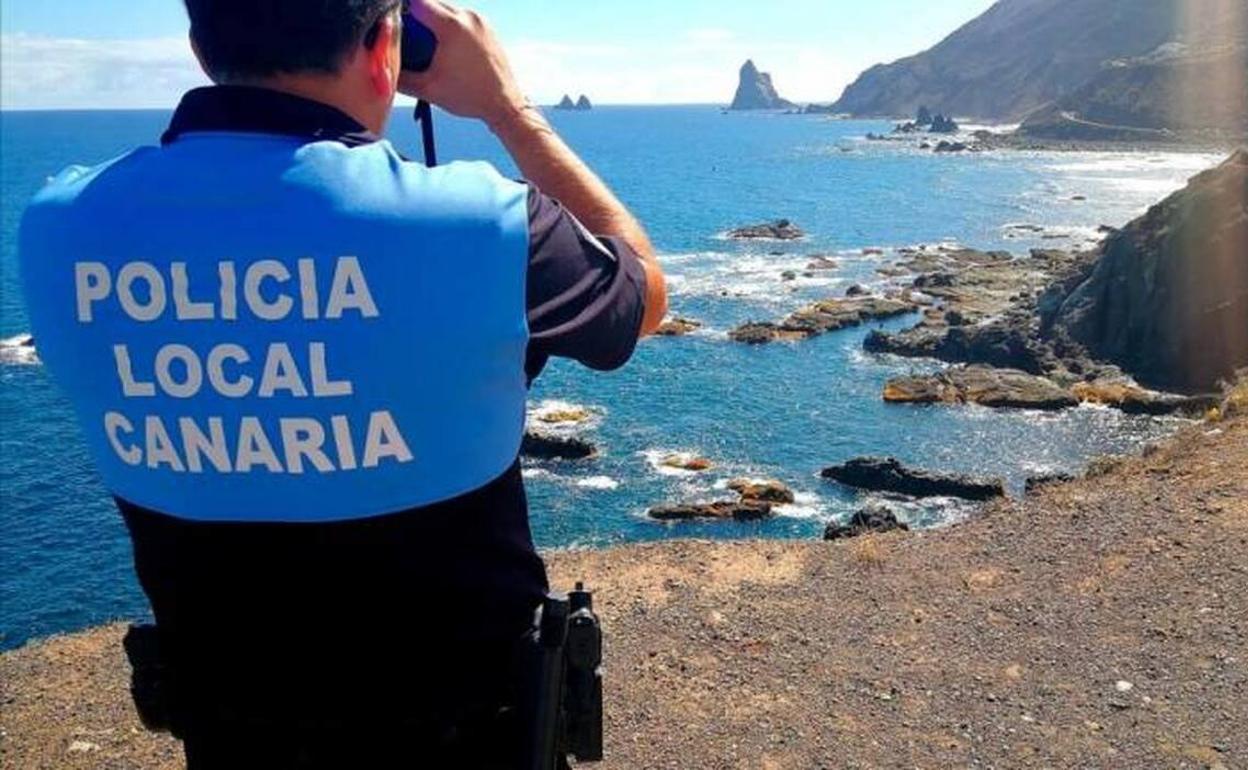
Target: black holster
[[562, 692]]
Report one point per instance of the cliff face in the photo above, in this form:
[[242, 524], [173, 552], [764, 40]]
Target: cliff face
[[1173, 90], [1023, 54], [757, 92], [1168, 298]]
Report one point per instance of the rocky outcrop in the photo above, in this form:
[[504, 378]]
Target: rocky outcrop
[[683, 461], [677, 327], [987, 309], [1023, 54], [873, 518], [822, 317], [888, 475], [776, 230], [767, 491], [1167, 298], [744, 510], [943, 125], [756, 91], [580, 105], [821, 262], [540, 446], [1002, 388], [1132, 399]]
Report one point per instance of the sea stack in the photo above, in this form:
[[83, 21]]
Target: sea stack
[[580, 105], [757, 92]]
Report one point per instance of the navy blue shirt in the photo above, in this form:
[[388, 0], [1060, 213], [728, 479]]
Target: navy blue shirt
[[464, 570]]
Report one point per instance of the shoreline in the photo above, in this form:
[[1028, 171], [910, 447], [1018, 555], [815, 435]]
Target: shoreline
[[1092, 622]]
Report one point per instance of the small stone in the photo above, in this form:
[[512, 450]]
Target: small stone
[[1123, 686], [83, 747]]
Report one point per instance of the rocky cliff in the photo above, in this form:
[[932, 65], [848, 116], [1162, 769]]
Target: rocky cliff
[[1021, 55], [1167, 300], [756, 91], [1174, 91]]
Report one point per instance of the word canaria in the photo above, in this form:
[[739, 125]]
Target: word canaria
[[301, 438], [143, 292]]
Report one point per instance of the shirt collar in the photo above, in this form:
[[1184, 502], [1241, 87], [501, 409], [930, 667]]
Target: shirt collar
[[249, 109]]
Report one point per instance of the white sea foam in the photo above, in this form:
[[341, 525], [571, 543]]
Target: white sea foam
[[532, 474], [1120, 163], [598, 482], [806, 505], [18, 350]]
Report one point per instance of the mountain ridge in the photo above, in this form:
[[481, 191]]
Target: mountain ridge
[[1021, 55]]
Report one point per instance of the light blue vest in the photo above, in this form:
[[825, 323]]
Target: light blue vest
[[255, 328]]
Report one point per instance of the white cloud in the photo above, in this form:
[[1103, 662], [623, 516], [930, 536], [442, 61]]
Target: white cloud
[[55, 73], [700, 67]]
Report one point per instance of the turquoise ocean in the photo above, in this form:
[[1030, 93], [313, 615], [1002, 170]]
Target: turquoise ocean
[[780, 411]]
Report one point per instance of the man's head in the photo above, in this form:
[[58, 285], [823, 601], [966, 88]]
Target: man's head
[[344, 52]]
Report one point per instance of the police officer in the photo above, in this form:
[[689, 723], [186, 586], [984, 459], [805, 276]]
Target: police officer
[[301, 365]]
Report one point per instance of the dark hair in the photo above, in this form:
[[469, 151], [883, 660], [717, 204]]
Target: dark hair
[[258, 38]]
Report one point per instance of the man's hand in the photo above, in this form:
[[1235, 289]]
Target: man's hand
[[470, 76]]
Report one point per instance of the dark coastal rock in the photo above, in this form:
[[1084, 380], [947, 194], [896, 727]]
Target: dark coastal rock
[[987, 310], [873, 518], [769, 491], [777, 230], [540, 446], [744, 510], [923, 117], [947, 146], [856, 290], [888, 475], [580, 105], [1167, 297], [756, 91], [943, 125], [820, 262], [998, 388], [677, 327], [822, 317]]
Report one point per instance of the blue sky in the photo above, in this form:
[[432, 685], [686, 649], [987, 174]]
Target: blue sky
[[133, 53]]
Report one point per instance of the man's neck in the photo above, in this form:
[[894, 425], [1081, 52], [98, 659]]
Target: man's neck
[[319, 88]]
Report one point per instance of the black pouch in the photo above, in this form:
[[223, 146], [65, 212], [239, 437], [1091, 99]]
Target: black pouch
[[150, 684]]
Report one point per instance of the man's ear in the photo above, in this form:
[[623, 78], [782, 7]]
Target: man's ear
[[384, 58], [199, 57]]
